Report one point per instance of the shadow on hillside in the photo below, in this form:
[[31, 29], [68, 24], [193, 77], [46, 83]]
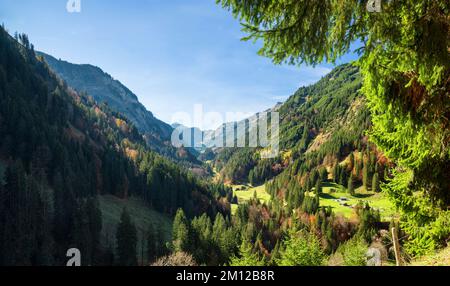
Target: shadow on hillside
[[327, 196], [362, 196]]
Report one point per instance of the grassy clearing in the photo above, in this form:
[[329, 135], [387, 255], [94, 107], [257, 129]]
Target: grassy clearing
[[141, 214], [332, 192], [245, 193]]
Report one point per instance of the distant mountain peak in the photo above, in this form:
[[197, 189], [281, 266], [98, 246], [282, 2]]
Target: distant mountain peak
[[105, 89]]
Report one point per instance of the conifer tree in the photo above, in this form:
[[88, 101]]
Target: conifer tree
[[351, 187], [318, 187], [351, 165], [336, 173], [366, 179], [405, 64], [247, 257], [126, 241], [301, 249], [163, 248], [343, 178], [181, 232], [152, 243], [275, 254], [375, 183], [94, 218]]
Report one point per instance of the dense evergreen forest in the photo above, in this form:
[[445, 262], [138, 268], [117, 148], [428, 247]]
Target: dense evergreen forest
[[405, 69], [379, 125], [327, 118], [59, 151], [323, 138], [53, 136]]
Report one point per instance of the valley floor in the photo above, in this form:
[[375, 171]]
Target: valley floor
[[334, 195]]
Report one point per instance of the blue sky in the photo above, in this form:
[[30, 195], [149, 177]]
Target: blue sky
[[171, 53]]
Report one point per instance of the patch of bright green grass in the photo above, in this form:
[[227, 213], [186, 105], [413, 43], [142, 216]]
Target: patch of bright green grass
[[234, 208], [332, 191], [246, 193]]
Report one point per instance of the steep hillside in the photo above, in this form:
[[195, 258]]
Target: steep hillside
[[144, 218], [103, 88], [322, 143], [327, 119], [326, 178], [61, 150]]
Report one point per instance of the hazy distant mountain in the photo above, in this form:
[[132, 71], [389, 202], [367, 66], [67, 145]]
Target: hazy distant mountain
[[103, 88], [224, 133]]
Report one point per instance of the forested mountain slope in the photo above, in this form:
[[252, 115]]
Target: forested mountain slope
[[405, 66], [60, 150], [103, 88], [323, 141], [94, 82], [324, 122]]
